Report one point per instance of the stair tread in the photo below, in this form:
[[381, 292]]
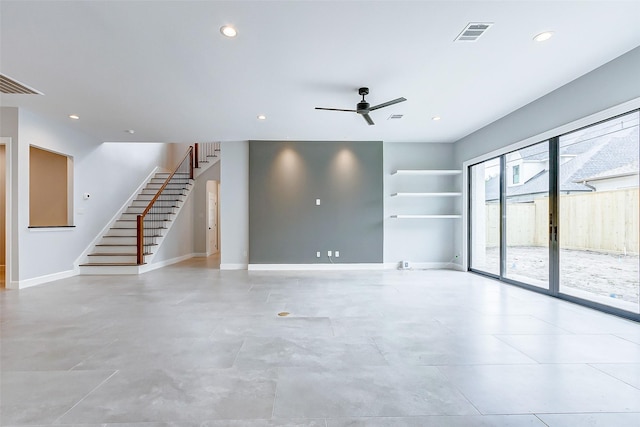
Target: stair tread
[[109, 264], [117, 254]]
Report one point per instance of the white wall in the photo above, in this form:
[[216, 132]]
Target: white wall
[[9, 129], [608, 89], [110, 172], [424, 242], [611, 84], [178, 243], [234, 204]]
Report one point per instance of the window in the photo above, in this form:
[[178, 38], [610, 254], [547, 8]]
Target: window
[[50, 189], [570, 229]]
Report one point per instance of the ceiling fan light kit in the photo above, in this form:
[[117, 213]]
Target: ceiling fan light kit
[[363, 107]]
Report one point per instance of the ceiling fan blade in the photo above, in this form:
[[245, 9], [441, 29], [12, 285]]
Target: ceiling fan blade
[[368, 119], [335, 109], [386, 104]]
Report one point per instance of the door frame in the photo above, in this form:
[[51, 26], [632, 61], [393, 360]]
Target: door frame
[[209, 250], [8, 259]]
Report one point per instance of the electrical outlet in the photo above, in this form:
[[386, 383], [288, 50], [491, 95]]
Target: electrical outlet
[[318, 254], [328, 253], [337, 254]]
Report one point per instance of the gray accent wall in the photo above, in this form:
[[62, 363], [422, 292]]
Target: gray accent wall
[[285, 224]]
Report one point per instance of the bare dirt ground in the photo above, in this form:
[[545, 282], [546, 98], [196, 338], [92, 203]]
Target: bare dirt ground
[[610, 275]]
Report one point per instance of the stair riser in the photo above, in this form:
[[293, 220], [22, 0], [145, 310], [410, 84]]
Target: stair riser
[[137, 210], [165, 197], [171, 185], [133, 217], [125, 249], [125, 224], [106, 240], [131, 232], [166, 192], [161, 181], [145, 203], [128, 220], [113, 259]]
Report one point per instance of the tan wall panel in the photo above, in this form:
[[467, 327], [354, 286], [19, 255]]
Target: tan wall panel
[[48, 188]]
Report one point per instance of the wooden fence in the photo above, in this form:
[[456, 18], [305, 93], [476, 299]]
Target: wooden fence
[[605, 221]]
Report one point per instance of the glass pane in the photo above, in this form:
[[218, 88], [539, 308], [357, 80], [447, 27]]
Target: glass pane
[[527, 215], [485, 216], [598, 211]]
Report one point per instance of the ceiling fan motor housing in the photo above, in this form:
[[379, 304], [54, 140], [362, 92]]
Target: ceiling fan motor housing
[[362, 108]]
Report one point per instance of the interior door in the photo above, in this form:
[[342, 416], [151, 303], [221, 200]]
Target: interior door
[[3, 192], [212, 216]]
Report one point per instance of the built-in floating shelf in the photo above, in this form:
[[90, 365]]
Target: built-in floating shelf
[[426, 194], [426, 172], [424, 216]]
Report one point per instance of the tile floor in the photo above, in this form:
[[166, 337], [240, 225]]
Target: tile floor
[[189, 345]]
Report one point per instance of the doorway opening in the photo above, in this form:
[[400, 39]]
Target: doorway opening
[[213, 217], [4, 246]]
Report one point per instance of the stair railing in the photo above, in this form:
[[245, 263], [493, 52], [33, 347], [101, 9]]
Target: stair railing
[[153, 219], [204, 151]]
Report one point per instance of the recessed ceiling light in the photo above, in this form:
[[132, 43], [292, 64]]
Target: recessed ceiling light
[[74, 116], [262, 117], [131, 131], [435, 118], [228, 31], [543, 36]]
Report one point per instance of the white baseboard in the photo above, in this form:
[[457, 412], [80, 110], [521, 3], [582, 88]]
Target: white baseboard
[[200, 255], [311, 267], [27, 283], [156, 265], [227, 266], [425, 266]]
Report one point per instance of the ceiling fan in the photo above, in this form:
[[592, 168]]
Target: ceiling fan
[[363, 107]]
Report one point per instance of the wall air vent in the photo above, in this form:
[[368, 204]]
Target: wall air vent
[[395, 116], [473, 31], [11, 86]]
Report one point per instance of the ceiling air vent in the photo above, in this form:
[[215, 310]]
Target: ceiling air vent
[[473, 31], [395, 116], [10, 86]]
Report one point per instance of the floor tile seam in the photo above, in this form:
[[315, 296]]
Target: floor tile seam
[[375, 343], [540, 419], [587, 413], [592, 365], [497, 336], [235, 359], [626, 339], [453, 384], [73, 368], [551, 324], [275, 394], [57, 420]]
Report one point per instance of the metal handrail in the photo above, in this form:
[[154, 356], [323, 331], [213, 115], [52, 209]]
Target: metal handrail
[[141, 238]]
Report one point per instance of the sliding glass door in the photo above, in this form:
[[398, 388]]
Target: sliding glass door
[[484, 199], [526, 215], [598, 211], [563, 215]]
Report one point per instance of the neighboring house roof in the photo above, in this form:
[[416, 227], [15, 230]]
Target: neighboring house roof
[[626, 170], [604, 156]]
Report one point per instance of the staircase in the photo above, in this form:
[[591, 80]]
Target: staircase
[[115, 253]]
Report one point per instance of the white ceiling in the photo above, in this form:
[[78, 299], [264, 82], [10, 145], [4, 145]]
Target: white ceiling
[[164, 70]]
